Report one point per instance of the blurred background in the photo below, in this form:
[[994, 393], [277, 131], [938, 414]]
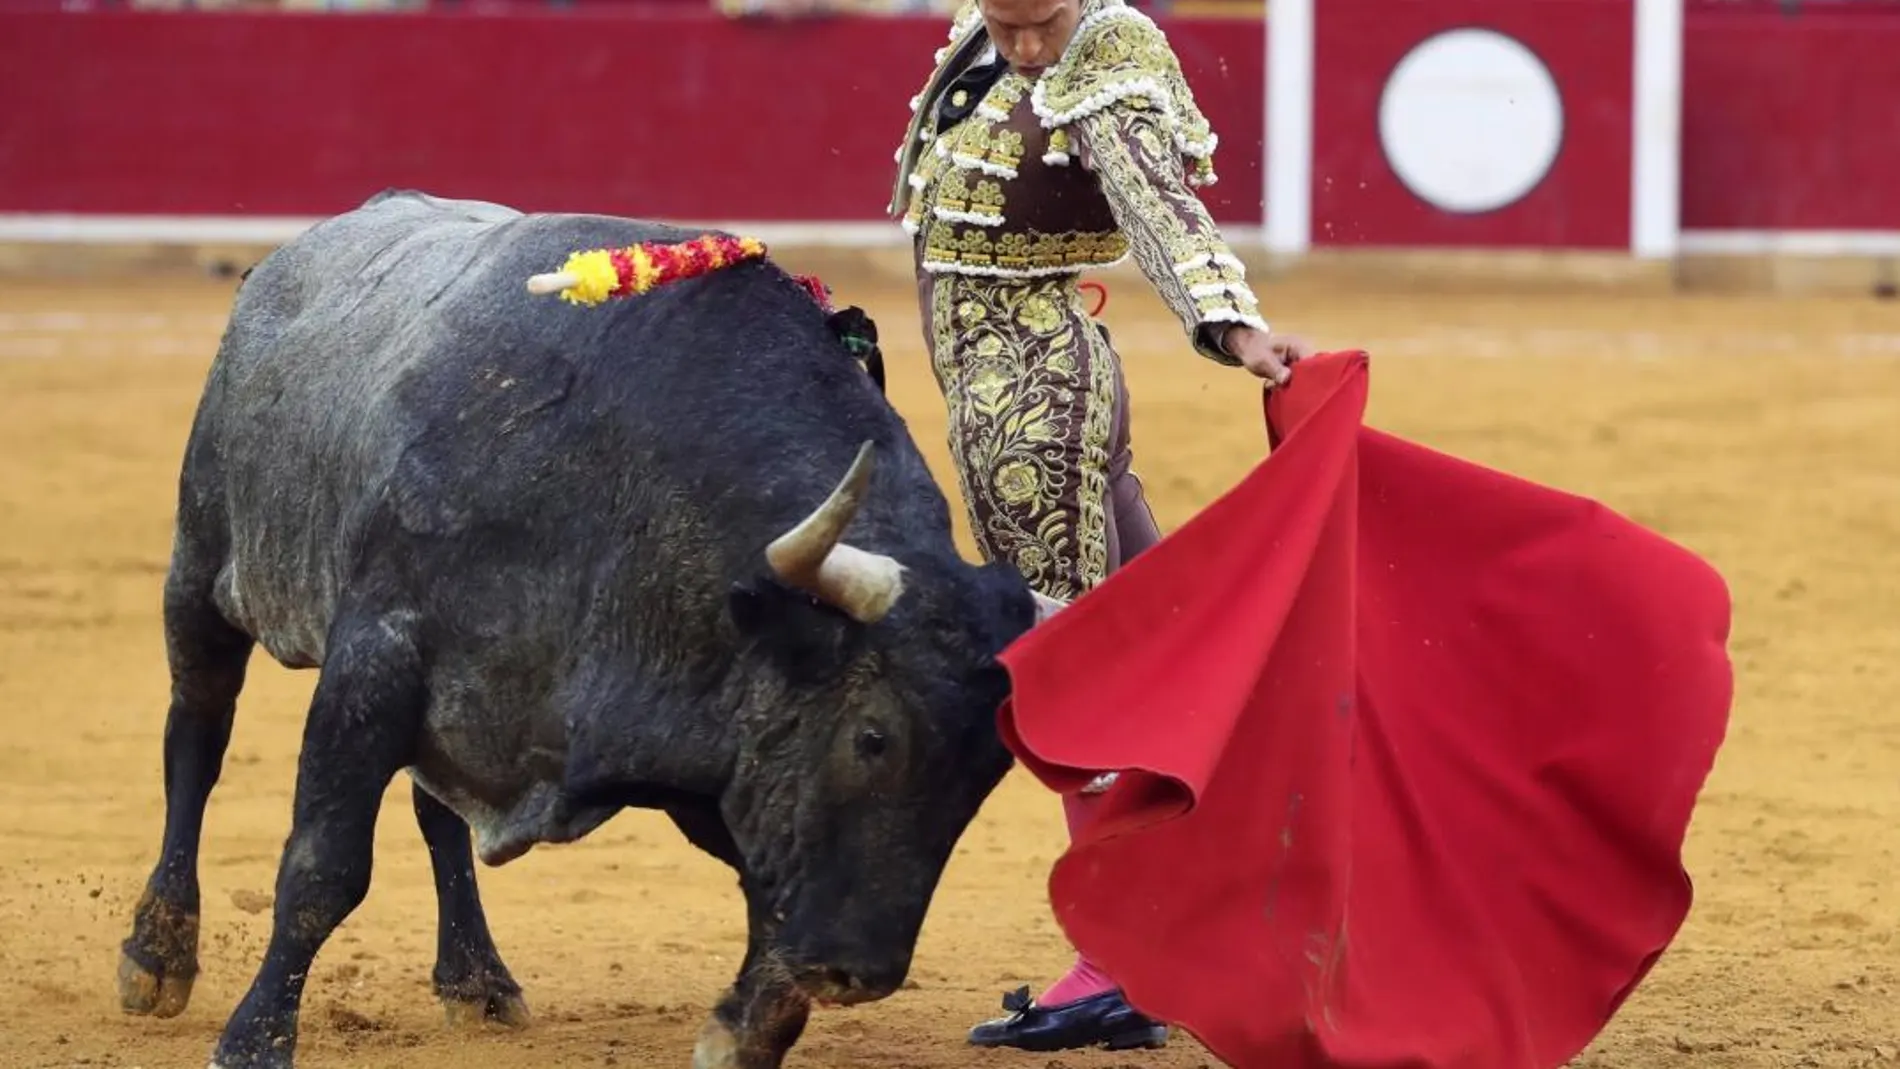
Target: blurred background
[[1642, 250], [1682, 132]]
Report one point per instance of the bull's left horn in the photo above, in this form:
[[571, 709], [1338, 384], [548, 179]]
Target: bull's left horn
[[813, 556]]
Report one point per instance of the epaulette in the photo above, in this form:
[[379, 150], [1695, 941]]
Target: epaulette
[[967, 17], [963, 27], [1119, 56]]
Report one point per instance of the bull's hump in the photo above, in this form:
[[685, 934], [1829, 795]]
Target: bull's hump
[[416, 199]]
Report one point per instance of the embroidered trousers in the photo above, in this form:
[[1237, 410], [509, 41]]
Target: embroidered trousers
[[1039, 428]]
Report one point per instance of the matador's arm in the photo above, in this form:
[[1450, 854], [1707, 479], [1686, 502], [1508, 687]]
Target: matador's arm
[[1130, 147]]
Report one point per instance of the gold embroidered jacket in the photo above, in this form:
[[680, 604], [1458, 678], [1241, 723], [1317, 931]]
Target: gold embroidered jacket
[[1089, 163]]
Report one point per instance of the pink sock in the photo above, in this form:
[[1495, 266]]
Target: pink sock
[[1083, 978]]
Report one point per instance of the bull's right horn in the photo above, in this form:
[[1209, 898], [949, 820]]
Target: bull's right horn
[[812, 555]]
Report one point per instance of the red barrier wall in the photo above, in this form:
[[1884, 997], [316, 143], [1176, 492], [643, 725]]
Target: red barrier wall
[[1789, 120], [660, 113]]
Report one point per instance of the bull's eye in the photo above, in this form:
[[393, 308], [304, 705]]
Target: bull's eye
[[871, 743]]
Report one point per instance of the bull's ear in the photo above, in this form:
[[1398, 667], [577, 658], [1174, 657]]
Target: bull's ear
[[853, 322], [858, 332], [808, 638]]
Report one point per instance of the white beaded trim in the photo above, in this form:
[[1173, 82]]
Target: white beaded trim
[[1234, 315], [951, 215], [1220, 259], [938, 267], [961, 26], [971, 163], [1238, 290]]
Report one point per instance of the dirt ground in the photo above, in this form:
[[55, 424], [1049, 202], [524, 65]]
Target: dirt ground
[[1763, 433]]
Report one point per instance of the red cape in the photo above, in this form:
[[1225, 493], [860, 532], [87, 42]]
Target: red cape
[[1410, 749]]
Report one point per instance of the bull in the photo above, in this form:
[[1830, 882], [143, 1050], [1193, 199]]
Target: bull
[[675, 553]]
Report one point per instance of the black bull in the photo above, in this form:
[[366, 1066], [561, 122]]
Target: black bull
[[560, 561]]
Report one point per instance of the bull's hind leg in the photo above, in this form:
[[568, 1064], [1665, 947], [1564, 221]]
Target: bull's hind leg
[[470, 978], [360, 732], [159, 960]]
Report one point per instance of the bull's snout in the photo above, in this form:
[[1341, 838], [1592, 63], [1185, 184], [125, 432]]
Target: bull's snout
[[849, 985]]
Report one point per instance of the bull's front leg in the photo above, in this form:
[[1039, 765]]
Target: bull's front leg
[[762, 1015], [470, 977], [360, 732], [759, 1019]]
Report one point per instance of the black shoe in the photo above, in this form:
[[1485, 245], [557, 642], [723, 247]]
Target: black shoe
[[1105, 1020]]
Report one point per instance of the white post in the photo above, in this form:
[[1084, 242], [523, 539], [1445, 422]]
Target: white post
[[1656, 130], [1289, 113]]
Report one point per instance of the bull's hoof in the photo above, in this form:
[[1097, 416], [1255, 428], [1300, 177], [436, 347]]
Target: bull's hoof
[[504, 1008], [151, 992], [482, 995], [263, 1061], [253, 1054], [158, 962], [717, 1047]]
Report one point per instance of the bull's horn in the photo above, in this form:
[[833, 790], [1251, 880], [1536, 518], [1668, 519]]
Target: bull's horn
[[552, 282], [812, 557], [1047, 606]]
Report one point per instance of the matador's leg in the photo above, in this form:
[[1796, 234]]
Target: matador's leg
[[1029, 395], [1131, 529], [1131, 525], [1085, 1007]]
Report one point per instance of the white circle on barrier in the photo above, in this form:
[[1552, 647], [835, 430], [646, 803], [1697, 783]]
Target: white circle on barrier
[[1471, 120]]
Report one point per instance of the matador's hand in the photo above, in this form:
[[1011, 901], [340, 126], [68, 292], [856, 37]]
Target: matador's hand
[[1270, 356]]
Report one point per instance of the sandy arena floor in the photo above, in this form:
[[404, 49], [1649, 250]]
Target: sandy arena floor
[[1763, 433]]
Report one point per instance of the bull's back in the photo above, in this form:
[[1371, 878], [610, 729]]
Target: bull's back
[[356, 374]]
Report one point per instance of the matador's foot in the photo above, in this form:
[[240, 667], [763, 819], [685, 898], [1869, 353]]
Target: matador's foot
[[1105, 1020]]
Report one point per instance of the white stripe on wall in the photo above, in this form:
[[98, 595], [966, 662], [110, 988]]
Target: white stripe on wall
[[1289, 134], [1656, 129]]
